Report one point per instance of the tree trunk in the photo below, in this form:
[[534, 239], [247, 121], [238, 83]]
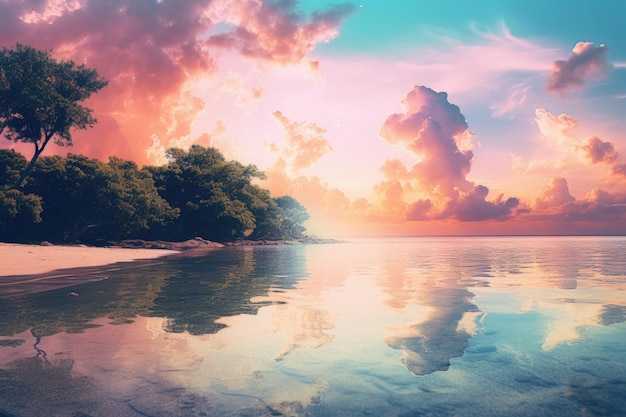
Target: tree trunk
[[26, 172], [31, 164]]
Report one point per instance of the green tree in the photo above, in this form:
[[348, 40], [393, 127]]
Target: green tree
[[91, 200], [18, 211], [40, 99], [138, 204], [216, 197], [295, 214], [218, 200]]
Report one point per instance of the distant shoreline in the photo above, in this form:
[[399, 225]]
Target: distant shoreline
[[200, 243]]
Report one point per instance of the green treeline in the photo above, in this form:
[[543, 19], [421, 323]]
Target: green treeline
[[68, 199], [197, 193]]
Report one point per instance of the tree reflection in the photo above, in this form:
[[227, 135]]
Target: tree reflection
[[121, 297], [192, 291]]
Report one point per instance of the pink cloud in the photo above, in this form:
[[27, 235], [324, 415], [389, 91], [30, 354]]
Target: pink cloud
[[275, 31], [151, 51], [555, 128], [427, 128], [332, 212], [596, 151], [619, 170], [568, 150], [554, 194], [599, 210], [419, 210], [473, 206], [585, 60], [305, 142], [146, 49], [432, 128]]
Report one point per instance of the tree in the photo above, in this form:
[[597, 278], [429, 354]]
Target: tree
[[213, 194], [91, 200], [217, 199], [295, 214], [18, 211], [40, 99]]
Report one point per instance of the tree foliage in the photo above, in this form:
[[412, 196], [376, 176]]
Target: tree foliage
[[294, 214], [40, 99], [217, 198], [86, 199], [18, 211], [198, 193], [69, 188]]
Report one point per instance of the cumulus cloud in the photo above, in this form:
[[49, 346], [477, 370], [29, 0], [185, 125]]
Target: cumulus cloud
[[419, 210], [473, 206], [554, 202], [598, 211], [274, 31], [147, 49], [596, 151], [152, 50], [49, 11], [569, 149], [436, 132], [586, 60], [427, 128], [554, 194], [619, 170], [555, 128], [304, 142]]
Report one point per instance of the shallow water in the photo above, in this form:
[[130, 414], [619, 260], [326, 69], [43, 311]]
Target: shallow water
[[376, 327]]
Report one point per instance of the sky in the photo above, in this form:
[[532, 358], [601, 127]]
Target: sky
[[382, 117]]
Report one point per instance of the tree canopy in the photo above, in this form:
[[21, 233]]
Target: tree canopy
[[40, 99], [82, 198], [197, 194], [18, 211], [217, 198]]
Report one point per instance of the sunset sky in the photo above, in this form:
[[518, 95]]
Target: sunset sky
[[385, 117]]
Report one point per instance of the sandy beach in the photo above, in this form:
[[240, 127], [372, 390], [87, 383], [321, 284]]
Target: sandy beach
[[18, 259]]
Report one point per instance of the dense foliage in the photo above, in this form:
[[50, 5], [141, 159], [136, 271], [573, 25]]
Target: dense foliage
[[198, 193], [40, 99], [217, 199]]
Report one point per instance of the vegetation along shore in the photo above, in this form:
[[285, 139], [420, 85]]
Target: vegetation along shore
[[74, 198]]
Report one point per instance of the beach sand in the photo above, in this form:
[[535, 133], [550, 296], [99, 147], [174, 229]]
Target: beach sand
[[17, 259]]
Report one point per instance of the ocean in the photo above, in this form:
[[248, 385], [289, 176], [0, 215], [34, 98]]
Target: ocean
[[402, 327]]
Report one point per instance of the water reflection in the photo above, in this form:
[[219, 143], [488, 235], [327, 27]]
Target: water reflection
[[192, 291], [330, 330]]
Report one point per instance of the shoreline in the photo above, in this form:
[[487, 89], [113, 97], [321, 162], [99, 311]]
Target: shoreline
[[22, 260], [18, 259]]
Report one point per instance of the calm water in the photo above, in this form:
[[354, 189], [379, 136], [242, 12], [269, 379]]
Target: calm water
[[378, 327]]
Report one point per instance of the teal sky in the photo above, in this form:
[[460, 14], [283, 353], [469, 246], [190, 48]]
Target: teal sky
[[388, 25]]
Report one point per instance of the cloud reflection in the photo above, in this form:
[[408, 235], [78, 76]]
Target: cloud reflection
[[297, 330]]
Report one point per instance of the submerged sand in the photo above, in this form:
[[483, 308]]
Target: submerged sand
[[18, 259]]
